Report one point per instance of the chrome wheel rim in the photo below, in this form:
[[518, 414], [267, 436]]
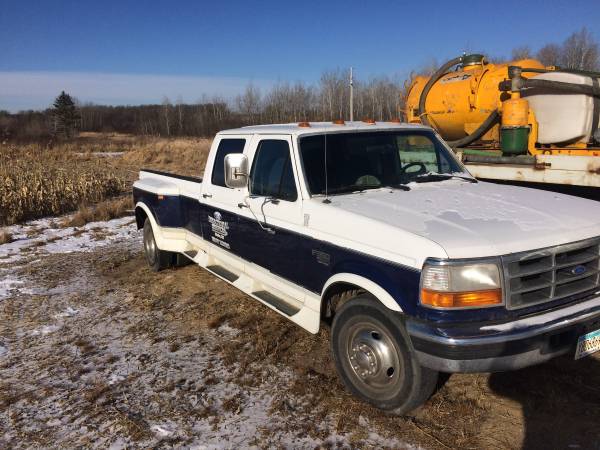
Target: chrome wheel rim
[[149, 245], [373, 358]]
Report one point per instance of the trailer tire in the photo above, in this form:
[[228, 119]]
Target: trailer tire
[[375, 359], [156, 258]]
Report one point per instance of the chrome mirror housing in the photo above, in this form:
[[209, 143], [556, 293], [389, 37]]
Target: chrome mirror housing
[[236, 170]]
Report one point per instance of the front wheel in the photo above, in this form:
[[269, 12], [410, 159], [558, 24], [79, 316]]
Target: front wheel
[[156, 258], [375, 359]]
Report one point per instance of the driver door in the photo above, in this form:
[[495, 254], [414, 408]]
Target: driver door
[[274, 215]]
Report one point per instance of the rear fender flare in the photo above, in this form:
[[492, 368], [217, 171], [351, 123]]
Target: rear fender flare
[[158, 236]]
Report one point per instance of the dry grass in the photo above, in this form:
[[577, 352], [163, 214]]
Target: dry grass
[[106, 210], [186, 156], [5, 237]]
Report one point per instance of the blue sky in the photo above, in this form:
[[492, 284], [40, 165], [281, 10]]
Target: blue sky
[[123, 52]]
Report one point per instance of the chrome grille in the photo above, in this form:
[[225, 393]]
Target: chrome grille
[[551, 274]]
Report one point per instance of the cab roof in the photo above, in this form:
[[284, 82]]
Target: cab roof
[[300, 128]]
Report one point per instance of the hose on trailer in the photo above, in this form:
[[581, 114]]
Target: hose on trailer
[[554, 86], [488, 123]]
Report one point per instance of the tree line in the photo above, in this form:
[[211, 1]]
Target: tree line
[[379, 98], [579, 51]]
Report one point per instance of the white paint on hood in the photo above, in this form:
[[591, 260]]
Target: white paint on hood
[[478, 219]]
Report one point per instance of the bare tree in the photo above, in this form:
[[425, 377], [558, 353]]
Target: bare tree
[[249, 103], [166, 111], [334, 94], [549, 55], [580, 51], [522, 52], [380, 98], [428, 68], [180, 114]]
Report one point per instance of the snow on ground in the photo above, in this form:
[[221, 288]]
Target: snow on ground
[[105, 380], [37, 238], [8, 283], [48, 238], [46, 329], [102, 381]]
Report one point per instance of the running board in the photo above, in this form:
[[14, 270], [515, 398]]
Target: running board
[[276, 302], [223, 273], [191, 254]]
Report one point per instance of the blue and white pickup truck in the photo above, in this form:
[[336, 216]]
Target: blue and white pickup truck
[[377, 230]]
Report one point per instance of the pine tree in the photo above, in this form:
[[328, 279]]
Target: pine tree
[[66, 116]]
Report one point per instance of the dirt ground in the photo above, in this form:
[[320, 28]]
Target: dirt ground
[[98, 351]]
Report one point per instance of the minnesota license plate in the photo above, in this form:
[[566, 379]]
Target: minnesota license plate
[[588, 344]]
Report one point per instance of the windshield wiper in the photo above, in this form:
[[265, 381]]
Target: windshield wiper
[[441, 176], [353, 188], [401, 186]]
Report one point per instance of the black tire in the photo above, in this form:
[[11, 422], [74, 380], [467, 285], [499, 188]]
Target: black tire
[[375, 358], [156, 258]]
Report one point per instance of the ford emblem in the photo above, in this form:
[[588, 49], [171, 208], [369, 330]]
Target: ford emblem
[[217, 216], [578, 270]]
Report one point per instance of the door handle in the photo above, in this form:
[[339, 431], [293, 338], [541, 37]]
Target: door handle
[[242, 205], [206, 195]]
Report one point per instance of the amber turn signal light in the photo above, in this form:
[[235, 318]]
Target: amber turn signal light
[[473, 299]]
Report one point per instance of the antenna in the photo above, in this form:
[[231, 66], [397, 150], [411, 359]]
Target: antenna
[[351, 96], [326, 181]]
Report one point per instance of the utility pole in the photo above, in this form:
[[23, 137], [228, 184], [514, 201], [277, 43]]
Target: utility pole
[[351, 97]]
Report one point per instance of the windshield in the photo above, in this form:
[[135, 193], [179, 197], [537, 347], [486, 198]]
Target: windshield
[[369, 160]]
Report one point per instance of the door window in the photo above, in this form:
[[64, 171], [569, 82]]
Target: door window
[[272, 174]]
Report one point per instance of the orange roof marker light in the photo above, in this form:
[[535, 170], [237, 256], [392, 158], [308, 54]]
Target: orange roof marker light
[[304, 124], [395, 120], [339, 122], [369, 121]]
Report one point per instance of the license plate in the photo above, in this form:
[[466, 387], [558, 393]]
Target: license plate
[[588, 344]]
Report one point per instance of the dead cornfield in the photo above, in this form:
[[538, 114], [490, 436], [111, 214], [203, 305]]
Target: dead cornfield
[[38, 181]]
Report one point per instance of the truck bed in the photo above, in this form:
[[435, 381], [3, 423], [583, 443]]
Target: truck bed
[[173, 175]]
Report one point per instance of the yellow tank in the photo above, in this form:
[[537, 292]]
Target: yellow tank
[[461, 100]]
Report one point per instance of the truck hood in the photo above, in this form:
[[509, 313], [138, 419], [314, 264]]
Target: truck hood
[[478, 219]]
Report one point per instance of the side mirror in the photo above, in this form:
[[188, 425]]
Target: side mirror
[[236, 170]]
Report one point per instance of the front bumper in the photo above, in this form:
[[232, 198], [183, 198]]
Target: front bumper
[[506, 346]]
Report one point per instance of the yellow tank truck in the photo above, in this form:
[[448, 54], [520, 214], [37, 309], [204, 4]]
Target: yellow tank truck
[[517, 121]]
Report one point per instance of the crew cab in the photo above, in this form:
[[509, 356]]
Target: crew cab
[[379, 231]]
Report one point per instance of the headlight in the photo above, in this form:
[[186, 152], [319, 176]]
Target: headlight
[[460, 285]]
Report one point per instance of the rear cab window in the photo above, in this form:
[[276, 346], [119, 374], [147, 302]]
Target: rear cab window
[[226, 146]]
